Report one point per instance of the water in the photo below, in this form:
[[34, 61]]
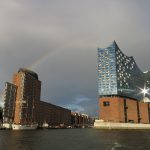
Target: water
[[74, 139]]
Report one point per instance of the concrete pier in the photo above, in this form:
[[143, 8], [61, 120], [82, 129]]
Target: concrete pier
[[98, 124]]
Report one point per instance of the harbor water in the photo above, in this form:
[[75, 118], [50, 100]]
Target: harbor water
[[75, 139]]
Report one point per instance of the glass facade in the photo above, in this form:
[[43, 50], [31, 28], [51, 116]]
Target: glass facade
[[119, 75]]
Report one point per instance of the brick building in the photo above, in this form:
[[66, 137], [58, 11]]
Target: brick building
[[28, 93], [52, 114], [28, 108], [119, 109], [120, 82], [80, 120]]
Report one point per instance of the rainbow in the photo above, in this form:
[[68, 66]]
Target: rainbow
[[41, 60]]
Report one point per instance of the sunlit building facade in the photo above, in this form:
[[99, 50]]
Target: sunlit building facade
[[23, 107], [28, 94]]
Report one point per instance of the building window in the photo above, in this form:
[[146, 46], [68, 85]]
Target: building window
[[106, 103]]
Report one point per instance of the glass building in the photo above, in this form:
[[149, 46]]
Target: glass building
[[119, 75]]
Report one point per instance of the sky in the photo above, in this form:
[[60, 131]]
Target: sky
[[58, 39]]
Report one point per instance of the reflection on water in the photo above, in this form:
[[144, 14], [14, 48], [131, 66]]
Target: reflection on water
[[74, 139]]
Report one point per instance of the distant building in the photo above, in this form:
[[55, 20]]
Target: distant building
[[120, 82], [80, 120]]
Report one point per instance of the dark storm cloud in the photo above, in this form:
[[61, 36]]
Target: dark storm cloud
[[59, 38]]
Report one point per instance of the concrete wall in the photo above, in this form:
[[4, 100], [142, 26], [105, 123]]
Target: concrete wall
[[111, 125]]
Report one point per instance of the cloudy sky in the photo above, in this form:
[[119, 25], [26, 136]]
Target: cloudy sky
[[58, 39]]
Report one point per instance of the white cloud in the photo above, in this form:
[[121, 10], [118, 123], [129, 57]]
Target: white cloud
[[75, 108], [80, 99], [77, 102]]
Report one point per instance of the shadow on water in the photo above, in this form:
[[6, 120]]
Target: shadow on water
[[75, 139]]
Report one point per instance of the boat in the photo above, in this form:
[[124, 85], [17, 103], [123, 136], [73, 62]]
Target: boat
[[24, 127], [7, 125], [45, 125]]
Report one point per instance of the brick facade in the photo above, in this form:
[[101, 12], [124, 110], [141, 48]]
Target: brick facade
[[132, 113], [143, 107], [28, 93], [52, 114], [28, 107], [120, 109]]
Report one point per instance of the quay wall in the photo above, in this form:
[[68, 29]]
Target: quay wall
[[114, 125]]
